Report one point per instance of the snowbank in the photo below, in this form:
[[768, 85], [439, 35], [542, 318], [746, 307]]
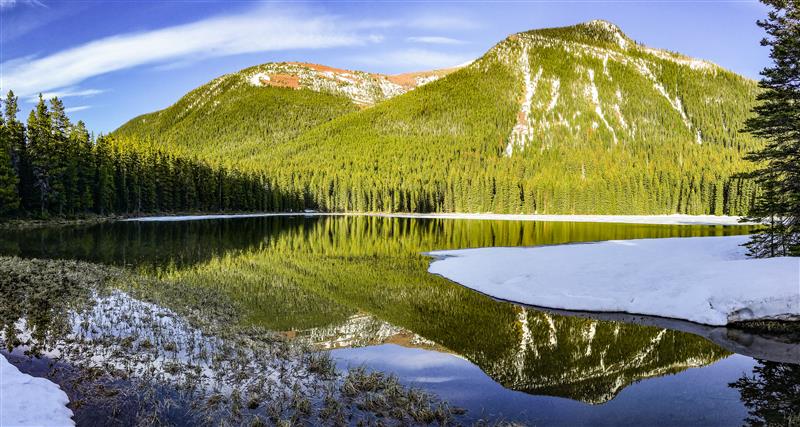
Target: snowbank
[[706, 280], [625, 219], [30, 401]]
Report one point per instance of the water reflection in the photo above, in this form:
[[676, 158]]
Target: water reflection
[[771, 394], [355, 281]]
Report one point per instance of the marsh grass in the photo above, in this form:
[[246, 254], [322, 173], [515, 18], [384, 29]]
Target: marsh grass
[[140, 351]]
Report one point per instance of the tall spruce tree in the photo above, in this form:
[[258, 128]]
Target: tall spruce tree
[[9, 198], [40, 150], [15, 132], [777, 121]]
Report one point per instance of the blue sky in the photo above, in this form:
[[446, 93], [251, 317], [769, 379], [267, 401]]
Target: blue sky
[[113, 60]]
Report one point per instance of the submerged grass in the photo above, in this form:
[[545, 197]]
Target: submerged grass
[[134, 350], [788, 331]]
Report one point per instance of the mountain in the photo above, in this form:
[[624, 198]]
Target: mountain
[[242, 114], [577, 119]]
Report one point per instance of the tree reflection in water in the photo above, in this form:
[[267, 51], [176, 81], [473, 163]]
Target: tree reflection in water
[[771, 394]]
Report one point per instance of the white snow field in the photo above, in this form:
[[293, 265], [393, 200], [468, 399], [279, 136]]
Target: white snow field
[[676, 219], [706, 280], [31, 401]]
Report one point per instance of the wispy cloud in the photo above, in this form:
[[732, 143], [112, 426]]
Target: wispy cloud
[[433, 40], [8, 4], [415, 59], [77, 108], [257, 31], [67, 93]]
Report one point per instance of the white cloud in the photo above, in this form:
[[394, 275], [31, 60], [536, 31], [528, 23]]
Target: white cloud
[[257, 31], [67, 93], [8, 4], [77, 108], [433, 40], [415, 59]]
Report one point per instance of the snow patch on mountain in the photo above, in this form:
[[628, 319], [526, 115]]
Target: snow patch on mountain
[[362, 88], [693, 63], [556, 84], [598, 109], [523, 130]]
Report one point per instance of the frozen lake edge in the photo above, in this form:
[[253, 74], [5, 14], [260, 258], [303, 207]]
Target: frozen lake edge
[[706, 280], [676, 219]]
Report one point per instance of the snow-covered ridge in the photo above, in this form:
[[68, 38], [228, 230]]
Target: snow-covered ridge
[[31, 401], [542, 110], [362, 88], [619, 36], [707, 280]]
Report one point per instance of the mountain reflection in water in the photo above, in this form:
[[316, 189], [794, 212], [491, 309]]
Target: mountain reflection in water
[[351, 282]]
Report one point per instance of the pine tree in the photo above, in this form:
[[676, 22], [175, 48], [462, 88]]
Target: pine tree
[[40, 151], [15, 132], [63, 168], [9, 199], [777, 120], [81, 146], [104, 189]]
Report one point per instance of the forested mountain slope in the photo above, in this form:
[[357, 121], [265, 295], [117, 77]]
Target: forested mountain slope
[[243, 114], [578, 119]]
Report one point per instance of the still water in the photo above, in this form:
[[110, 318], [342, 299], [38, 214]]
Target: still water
[[359, 287]]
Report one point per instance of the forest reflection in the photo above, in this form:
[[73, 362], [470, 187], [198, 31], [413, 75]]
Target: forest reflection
[[337, 281]]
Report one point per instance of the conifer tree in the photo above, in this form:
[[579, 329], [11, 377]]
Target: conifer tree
[[40, 137], [9, 199], [15, 132], [777, 120]]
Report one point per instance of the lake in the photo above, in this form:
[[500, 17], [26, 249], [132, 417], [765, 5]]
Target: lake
[[359, 287]]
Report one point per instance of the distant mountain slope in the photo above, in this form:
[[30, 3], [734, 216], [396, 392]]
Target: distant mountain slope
[[239, 115], [577, 119]]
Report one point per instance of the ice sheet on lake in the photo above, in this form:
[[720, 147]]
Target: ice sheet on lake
[[705, 280]]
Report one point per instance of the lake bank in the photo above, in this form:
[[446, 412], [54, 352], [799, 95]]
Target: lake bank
[[31, 401], [676, 219]]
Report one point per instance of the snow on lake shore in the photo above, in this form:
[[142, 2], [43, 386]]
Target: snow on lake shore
[[623, 219], [30, 401], [705, 280]]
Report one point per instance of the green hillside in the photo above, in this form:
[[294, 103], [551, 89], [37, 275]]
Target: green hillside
[[228, 120], [577, 119], [241, 115]]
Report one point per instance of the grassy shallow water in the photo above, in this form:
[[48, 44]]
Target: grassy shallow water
[[107, 337], [293, 285]]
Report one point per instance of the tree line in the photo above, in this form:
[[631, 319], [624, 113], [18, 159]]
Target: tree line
[[440, 148], [51, 166]]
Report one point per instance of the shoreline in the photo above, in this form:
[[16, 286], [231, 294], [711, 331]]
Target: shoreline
[[758, 292], [674, 219]]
